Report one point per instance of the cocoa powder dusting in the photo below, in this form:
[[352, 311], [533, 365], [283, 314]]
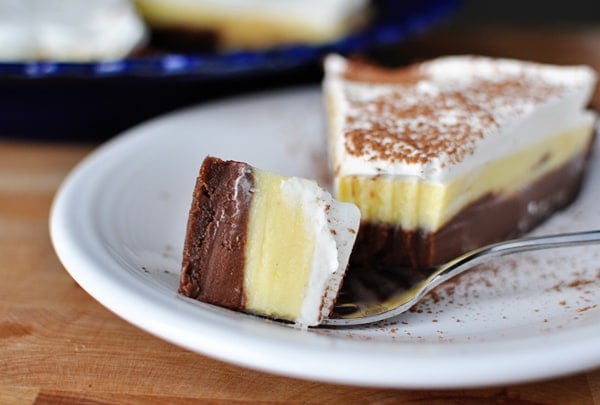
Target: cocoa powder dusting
[[408, 115]]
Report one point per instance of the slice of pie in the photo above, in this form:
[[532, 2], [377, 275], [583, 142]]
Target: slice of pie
[[454, 153]]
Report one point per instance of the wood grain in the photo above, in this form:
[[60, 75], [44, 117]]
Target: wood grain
[[58, 345]]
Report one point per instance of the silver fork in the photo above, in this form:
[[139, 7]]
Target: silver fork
[[359, 313]]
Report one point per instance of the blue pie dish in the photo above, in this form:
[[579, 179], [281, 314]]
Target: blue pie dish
[[93, 101]]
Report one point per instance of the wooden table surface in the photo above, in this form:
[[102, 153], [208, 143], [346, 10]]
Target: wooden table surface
[[58, 345]]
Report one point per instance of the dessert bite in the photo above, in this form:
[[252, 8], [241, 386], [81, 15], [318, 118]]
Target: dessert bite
[[454, 153], [265, 244], [200, 25], [69, 30]]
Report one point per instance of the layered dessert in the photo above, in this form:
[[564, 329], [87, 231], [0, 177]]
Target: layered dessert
[[191, 25], [69, 30], [266, 244], [454, 153]]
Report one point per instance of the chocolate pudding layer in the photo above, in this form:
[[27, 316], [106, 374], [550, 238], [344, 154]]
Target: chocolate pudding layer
[[214, 250]]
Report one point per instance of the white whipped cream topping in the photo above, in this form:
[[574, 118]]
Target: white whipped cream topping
[[68, 30], [517, 124], [334, 225]]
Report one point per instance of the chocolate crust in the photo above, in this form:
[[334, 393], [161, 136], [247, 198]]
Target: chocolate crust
[[214, 248], [490, 219]]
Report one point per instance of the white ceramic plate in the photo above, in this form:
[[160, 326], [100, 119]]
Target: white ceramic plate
[[118, 224]]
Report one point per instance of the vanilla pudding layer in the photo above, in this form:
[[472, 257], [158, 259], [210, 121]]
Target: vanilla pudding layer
[[271, 288], [428, 205], [258, 23]]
